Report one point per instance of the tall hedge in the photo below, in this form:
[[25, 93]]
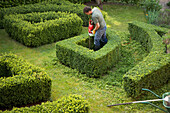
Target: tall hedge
[[54, 5], [154, 70], [22, 83], [36, 29], [75, 53]]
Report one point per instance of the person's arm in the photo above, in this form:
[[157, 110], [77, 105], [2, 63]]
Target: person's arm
[[97, 26]]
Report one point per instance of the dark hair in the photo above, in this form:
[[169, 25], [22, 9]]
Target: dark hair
[[87, 9]]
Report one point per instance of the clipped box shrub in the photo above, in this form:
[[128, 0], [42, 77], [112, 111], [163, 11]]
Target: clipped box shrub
[[74, 52], [154, 70], [36, 29], [69, 104], [13, 3], [54, 5], [22, 83]]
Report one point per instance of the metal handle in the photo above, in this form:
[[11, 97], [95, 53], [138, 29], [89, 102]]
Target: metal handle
[[119, 104], [152, 92]]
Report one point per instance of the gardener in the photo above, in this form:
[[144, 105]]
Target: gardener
[[100, 27]]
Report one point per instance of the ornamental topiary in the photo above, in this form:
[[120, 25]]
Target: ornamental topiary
[[36, 29], [22, 83], [75, 52], [72, 104]]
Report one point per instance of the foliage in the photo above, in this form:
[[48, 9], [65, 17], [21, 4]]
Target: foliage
[[150, 5], [153, 71], [163, 19], [72, 104], [22, 83], [168, 4], [13, 3], [36, 29], [94, 64], [134, 2], [68, 104], [54, 5], [79, 1], [152, 17]]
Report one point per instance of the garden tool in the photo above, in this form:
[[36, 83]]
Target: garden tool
[[90, 29], [165, 98]]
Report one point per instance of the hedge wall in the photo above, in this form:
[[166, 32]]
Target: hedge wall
[[69, 104], [54, 5], [13, 3], [154, 70], [36, 29], [22, 83], [94, 64]]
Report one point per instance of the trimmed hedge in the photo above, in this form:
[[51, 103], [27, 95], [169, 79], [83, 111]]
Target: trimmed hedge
[[154, 70], [79, 1], [36, 29], [94, 64], [22, 83], [70, 104], [54, 5], [13, 3]]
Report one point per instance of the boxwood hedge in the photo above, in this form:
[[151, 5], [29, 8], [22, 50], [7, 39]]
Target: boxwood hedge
[[13, 3], [69, 104], [94, 63], [22, 83], [54, 5], [154, 70], [36, 29]]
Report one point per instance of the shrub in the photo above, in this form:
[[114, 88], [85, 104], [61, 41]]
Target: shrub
[[70, 52], [54, 5], [150, 5], [36, 29], [69, 104], [152, 17], [153, 71], [72, 104], [13, 3], [168, 4], [22, 83]]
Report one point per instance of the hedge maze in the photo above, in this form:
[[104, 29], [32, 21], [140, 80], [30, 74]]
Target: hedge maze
[[154, 70], [22, 83], [70, 52], [42, 23], [36, 29]]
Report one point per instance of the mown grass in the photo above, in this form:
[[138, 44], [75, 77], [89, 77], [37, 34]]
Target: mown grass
[[99, 92]]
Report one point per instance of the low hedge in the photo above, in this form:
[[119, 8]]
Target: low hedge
[[13, 3], [36, 29], [22, 83], [69, 104], [154, 70], [54, 5], [70, 52]]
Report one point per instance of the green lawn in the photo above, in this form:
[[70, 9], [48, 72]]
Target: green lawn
[[99, 92]]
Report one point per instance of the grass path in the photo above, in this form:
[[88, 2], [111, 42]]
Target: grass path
[[68, 81]]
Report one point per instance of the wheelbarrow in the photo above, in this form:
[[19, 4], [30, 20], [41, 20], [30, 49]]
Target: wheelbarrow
[[165, 98]]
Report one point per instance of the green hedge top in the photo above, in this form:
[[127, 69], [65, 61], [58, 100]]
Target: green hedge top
[[154, 70], [55, 5], [36, 29], [70, 104], [21, 82], [72, 53]]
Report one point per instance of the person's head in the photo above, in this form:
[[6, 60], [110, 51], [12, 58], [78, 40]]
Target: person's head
[[87, 10]]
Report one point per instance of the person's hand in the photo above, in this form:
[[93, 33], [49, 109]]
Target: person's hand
[[93, 31]]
